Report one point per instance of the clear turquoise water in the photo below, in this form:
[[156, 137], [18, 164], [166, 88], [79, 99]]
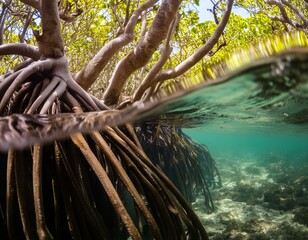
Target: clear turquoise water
[[262, 173], [256, 128], [240, 142], [260, 110]]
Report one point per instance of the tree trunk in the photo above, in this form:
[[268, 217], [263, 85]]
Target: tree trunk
[[143, 51], [50, 42]]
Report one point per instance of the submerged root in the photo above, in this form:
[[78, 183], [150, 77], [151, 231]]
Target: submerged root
[[188, 164], [99, 186]]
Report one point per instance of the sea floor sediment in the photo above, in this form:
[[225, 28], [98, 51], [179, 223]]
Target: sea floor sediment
[[262, 198]]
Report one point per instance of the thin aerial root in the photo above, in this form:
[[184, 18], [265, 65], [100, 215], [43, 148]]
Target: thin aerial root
[[41, 228], [43, 96], [146, 161], [66, 198], [206, 191], [115, 200], [176, 207], [25, 198], [82, 102], [71, 101], [100, 227], [7, 81], [18, 100], [99, 103], [10, 195], [131, 131], [146, 171], [34, 95], [131, 144], [56, 93], [127, 182], [153, 194], [58, 204], [25, 73], [82, 93], [23, 64]]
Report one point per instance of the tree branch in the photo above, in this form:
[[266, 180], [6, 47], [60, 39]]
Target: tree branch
[[296, 11], [143, 51], [95, 66], [26, 25], [200, 53], [3, 15], [22, 49], [127, 13], [114, 11], [166, 51], [283, 12], [65, 13], [32, 3]]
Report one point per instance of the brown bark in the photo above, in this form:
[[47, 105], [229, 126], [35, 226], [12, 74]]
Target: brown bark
[[284, 15], [200, 53], [33, 3], [4, 12], [143, 51], [165, 53], [287, 12], [50, 42], [21, 49], [296, 11], [91, 71]]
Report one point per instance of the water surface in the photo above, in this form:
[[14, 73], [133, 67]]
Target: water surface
[[256, 128]]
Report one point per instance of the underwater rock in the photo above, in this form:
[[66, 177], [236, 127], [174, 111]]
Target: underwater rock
[[235, 235], [246, 193], [270, 197], [302, 201], [259, 236], [302, 181], [275, 202], [253, 170], [301, 216], [285, 197], [286, 231], [282, 178], [271, 205], [291, 192], [286, 203]]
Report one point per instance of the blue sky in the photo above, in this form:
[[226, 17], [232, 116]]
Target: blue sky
[[204, 14]]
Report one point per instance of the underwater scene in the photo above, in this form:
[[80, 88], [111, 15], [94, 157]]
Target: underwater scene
[[256, 129], [264, 175]]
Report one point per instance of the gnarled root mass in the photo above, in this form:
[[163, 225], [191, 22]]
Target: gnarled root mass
[[99, 186], [188, 164]]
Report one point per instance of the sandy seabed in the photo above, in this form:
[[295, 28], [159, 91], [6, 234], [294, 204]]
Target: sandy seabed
[[262, 198]]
